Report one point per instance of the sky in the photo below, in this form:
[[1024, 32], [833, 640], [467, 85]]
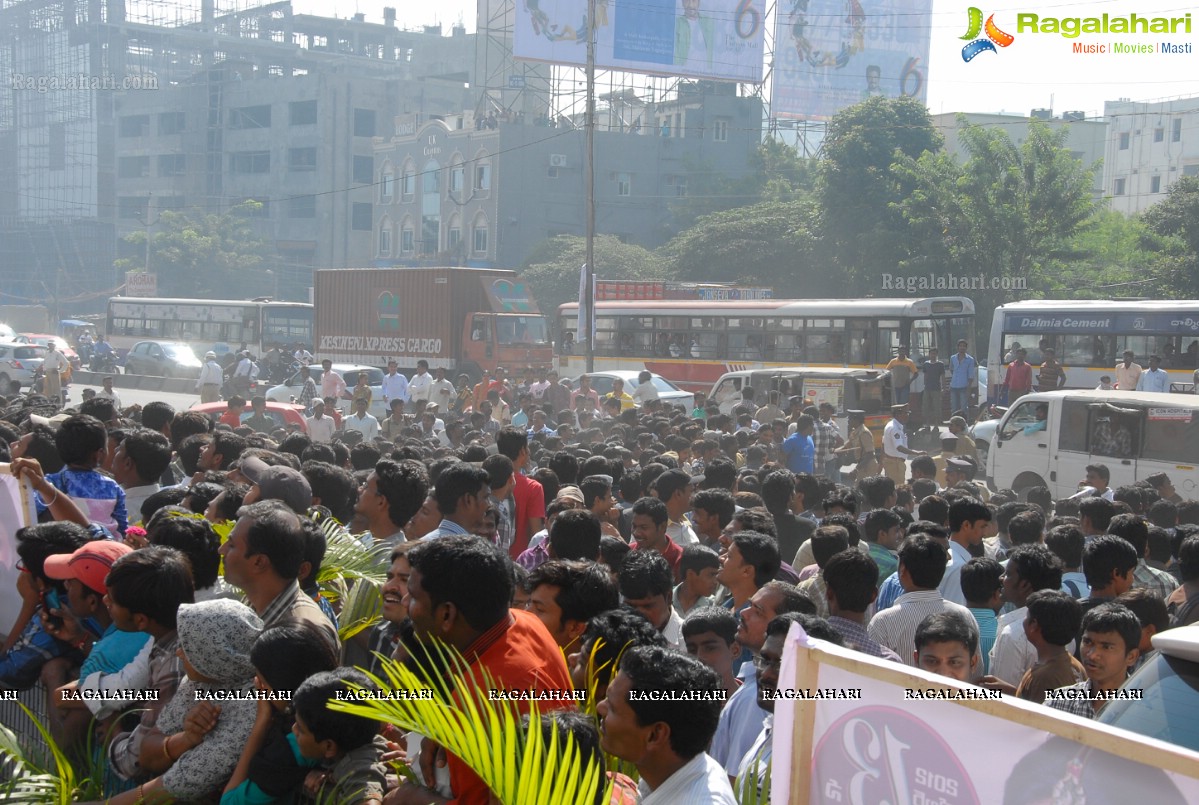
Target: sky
[[1035, 71]]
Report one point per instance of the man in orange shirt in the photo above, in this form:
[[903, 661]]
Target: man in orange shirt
[[1018, 381], [459, 591], [481, 388], [232, 416]]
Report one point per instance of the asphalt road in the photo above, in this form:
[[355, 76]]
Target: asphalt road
[[138, 396]]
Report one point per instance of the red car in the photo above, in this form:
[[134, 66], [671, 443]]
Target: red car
[[285, 415]]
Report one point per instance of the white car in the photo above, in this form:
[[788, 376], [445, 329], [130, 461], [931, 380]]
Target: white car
[[19, 362], [289, 390], [668, 392]]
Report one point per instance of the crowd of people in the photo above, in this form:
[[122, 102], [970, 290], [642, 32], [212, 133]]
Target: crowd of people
[[654, 557]]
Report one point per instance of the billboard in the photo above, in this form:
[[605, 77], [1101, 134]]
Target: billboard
[[830, 54], [716, 39]]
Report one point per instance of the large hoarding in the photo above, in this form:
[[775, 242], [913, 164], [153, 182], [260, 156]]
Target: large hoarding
[[830, 54], [716, 39]]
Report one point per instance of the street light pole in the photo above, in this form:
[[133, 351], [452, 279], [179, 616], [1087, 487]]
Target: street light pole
[[589, 281]]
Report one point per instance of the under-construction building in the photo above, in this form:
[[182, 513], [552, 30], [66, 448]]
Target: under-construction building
[[112, 111]]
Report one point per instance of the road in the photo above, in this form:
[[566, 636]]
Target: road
[[138, 396]]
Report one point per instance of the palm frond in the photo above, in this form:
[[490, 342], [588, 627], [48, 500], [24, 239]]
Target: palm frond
[[453, 708], [348, 558], [361, 605], [47, 779]]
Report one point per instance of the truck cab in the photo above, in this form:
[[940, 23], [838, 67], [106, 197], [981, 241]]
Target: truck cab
[[511, 340]]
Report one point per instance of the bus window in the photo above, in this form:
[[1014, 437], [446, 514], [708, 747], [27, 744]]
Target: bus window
[[1190, 356], [704, 345], [746, 347], [1142, 347], [886, 341], [783, 347], [1082, 350], [824, 341], [1171, 435], [1011, 343], [1075, 416], [921, 339]]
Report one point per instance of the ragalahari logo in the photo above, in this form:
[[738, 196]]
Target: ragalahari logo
[[994, 35]]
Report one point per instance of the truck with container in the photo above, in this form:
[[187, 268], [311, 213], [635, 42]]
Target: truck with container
[[465, 320]]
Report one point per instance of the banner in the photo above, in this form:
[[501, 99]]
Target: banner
[[905, 737], [717, 39], [16, 512], [830, 54]]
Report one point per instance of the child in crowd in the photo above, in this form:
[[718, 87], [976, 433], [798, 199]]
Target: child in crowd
[[698, 566], [1052, 622]]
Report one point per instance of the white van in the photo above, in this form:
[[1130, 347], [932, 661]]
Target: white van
[[1048, 439]]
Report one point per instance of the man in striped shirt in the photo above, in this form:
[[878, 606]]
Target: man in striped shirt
[[851, 585], [922, 563]]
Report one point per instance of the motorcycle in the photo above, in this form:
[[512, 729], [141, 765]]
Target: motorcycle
[[106, 363]]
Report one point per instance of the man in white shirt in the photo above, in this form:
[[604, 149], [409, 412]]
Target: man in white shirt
[[53, 366], [895, 446], [320, 427], [303, 356], [421, 384], [537, 388], [646, 390], [241, 375], [1029, 568], [670, 757], [968, 520], [1155, 378], [362, 422], [1128, 373], [210, 380], [395, 385], [442, 392], [107, 393]]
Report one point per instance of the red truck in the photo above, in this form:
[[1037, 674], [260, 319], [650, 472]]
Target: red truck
[[462, 319]]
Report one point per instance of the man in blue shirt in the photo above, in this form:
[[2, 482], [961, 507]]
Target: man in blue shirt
[[798, 449], [1155, 377], [964, 374]]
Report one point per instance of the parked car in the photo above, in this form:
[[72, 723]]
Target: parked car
[[1169, 682], [162, 359], [668, 392], [19, 362], [42, 339], [285, 415], [289, 389]]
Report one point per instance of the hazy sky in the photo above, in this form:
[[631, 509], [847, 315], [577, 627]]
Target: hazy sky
[[1035, 71]]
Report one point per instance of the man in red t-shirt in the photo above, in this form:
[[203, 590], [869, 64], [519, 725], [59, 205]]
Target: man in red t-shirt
[[513, 442], [458, 592], [1018, 381], [233, 412]]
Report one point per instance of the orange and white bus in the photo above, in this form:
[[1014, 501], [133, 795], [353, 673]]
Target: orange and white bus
[[694, 343]]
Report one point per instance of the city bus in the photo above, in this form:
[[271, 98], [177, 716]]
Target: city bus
[[1090, 336], [219, 325], [694, 343]]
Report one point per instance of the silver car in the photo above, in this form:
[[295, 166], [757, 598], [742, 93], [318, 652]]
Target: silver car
[[668, 392], [290, 389], [162, 359], [19, 362]]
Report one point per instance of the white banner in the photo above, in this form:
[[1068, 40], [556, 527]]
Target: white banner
[[718, 39], [16, 512], [903, 743]]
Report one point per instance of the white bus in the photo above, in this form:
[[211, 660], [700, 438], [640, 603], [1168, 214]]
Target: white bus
[[219, 325], [1089, 337]]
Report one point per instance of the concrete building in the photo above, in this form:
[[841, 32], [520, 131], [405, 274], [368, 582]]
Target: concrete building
[[1086, 139], [1149, 147], [459, 192]]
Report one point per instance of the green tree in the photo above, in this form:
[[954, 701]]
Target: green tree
[[205, 255], [1174, 223], [863, 232], [770, 243], [552, 269], [1110, 255]]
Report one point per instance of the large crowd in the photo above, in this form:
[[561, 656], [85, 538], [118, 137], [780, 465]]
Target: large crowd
[[558, 540]]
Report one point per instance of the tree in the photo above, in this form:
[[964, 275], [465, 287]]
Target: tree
[[205, 255], [1175, 222], [770, 243], [863, 232], [552, 269]]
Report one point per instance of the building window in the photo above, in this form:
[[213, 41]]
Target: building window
[[250, 162], [301, 113], [407, 240], [250, 117], [1125, 137], [133, 167], [133, 206], [1176, 130], [364, 122], [134, 126], [480, 238], [387, 188], [301, 159], [680, 187], [1190, 170], [360, 216], [384, 239], [720, 130], [171, 123], [457, 178], [624, 184], [408, 188], [172, 164], [1159, 134], [453, 238], [1119, 189], [482, 178], [301, 207], [170, 203], [1155, 184], [364, 170]]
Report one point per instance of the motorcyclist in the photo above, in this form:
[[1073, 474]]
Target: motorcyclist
[[103, 355]]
